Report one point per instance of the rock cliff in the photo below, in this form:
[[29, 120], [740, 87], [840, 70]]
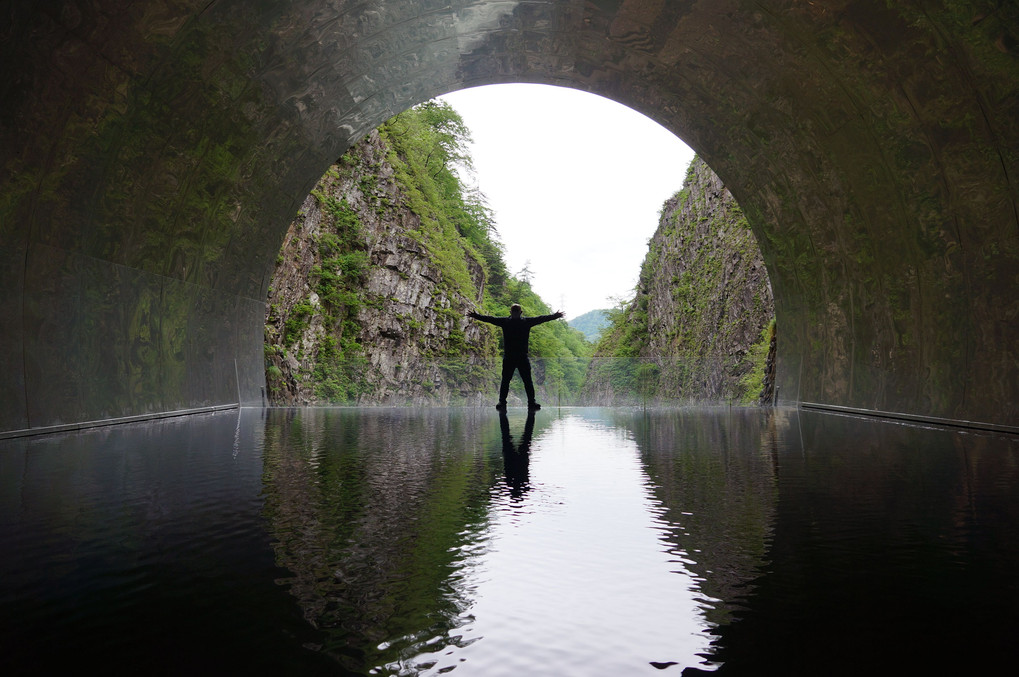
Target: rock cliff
[[386, 255], [359, 310], [700, 324]]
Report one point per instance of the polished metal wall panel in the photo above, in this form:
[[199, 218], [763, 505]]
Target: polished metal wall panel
[[193, 348], [53, 323], [119, 329], [250, 354], [212, 377], [177, 308], [13, 408], [107, 341]]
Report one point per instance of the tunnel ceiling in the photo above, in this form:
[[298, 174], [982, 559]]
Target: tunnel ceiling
[[153, 153]]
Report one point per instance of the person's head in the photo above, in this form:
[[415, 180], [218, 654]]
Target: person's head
[[516, 310]]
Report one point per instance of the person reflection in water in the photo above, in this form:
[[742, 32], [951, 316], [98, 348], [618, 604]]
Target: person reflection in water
[[516, 459], [516, 333]]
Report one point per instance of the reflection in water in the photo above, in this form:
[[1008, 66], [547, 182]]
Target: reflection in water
[[372, 510], [579, 576], [140, 549], [894, 551], [413, 555], [595, 541], [715, 472], [516, 458]]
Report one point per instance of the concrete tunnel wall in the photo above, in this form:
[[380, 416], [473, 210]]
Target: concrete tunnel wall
[[152, 154]]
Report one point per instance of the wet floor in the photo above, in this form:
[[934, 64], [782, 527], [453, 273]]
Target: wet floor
[[575, 542]]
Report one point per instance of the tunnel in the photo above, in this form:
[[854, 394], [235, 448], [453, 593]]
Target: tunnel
[[152, 154]]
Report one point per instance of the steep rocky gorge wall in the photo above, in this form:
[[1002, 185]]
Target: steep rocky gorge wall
[[700, 323], [359, 310], [368, 301]]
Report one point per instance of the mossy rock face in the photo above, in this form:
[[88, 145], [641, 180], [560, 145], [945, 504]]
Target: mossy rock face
[[693, 331], [360, 311], [152, 155]]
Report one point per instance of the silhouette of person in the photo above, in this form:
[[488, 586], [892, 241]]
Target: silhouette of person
[[516, 333], [516, 459]]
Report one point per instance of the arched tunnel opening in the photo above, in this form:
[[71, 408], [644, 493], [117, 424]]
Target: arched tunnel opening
[[438, 213], [152, 155]]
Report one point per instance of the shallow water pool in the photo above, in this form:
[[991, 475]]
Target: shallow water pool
[[574, 542]]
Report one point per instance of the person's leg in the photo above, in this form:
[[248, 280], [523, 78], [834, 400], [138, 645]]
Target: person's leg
[[507, 373], [524, 366]]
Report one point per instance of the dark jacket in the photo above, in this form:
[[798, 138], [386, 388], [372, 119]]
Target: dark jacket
[[516, 331]]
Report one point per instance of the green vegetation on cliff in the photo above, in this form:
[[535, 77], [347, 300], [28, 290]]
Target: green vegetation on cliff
[[430, 146], [369, 298], [341, 275], [693, 329], [393, 247]]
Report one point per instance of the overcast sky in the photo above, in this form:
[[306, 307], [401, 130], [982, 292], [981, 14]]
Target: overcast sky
[[576, 182]]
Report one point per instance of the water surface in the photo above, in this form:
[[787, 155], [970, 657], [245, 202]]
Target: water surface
[[577, 542]]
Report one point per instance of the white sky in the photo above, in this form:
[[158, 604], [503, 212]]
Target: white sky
[[576, 182]]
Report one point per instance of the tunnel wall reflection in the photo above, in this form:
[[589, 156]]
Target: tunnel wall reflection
[[152, 153]]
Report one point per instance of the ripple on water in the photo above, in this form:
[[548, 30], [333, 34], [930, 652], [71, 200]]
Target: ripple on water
[[409, 540], [576, 576]]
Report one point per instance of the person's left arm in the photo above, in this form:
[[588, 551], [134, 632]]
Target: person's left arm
[[546, 318]]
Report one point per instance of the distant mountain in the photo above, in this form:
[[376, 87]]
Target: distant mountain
[[591, 324]]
